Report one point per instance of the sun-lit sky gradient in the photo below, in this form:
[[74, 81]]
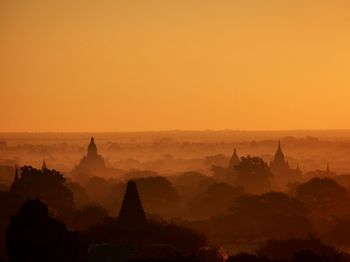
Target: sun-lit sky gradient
[[154, 65]]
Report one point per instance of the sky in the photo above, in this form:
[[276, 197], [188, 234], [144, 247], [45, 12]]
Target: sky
[[136, 65]]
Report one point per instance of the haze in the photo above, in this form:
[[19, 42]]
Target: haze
[[158, 65]]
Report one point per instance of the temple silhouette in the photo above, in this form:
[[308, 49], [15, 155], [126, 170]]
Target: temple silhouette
[[92, 162], [234, 161], [279, 163], [131, 214], [44, 166], [281, 170], [15, 180]]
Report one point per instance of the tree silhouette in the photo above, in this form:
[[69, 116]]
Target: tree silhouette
[[254, 175], [216, 199], [157, 193], [299, 249], [325, 197], [245, 257], [272, 214], [34, 236], [46, 184]]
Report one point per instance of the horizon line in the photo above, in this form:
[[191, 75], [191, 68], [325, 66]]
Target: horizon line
[[180, 130]]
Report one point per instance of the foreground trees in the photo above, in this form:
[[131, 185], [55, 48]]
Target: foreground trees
[[34, 235], [46, 184]]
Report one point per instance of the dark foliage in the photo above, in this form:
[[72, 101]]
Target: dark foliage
[[254, 175], [48, 185], [259, 217], [295, 247], [182, 238], [245, 257], [157, 193], [34, 236], [216, 199], [325, 197]]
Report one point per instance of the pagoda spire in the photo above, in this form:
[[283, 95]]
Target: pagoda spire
[[234, 161], [44, 166], [16, 175], [15, 179], [92, 148], [279, 156], [279, 148], [131, 214]]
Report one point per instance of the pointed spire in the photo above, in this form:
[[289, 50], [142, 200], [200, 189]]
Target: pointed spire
[[279, 148], [298, 167], [279, 156], [44, 167], [234, 161], [328, 170], [15, 179], [92, 149], [131, 213], [16, 175]]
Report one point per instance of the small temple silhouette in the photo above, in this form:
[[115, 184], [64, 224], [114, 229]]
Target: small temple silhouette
[[234, 161], [33, 235], [15, 180], [92, 161], [279, 163], [281, 170], [132, 214], [44, 166]]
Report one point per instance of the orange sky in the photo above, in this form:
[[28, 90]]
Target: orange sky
[[153, 65]]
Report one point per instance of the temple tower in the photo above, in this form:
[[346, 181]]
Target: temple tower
[[234, 161], [279, 162], [44, 166], [279, 156], [16, 178], [131, 213], [92, 149]]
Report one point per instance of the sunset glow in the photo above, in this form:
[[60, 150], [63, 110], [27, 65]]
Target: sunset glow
[[160, 65]]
